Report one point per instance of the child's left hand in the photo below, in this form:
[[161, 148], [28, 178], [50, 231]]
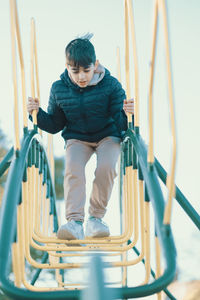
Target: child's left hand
[[129, 106]]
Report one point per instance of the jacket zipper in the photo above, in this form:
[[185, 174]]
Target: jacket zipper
[[82, 108]]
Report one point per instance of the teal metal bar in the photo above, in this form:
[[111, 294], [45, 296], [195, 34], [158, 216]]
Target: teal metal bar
[[37, 148], [181, 199], [167, 292], [7, 233], [38, 271], [164, 231], [41, 160], [96, 288], [6, 161]]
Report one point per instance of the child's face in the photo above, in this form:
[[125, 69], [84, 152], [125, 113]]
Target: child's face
[[80, 75]]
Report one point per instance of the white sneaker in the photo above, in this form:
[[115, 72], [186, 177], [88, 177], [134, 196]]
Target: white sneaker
[[71, 231], [96, 228]]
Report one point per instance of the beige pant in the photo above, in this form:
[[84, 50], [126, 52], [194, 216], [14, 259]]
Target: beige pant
[[77, 155]]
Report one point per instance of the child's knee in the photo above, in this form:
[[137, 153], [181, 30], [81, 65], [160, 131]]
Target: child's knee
[[74, 169], [106, 169]]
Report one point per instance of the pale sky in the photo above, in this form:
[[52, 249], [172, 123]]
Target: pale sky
[[58, 22]]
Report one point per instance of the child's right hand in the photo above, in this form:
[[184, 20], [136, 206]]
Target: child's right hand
[[33, 104]]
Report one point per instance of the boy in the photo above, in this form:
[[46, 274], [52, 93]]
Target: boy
[[89, 106]]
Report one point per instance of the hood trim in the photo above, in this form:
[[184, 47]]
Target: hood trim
[[99, 74]]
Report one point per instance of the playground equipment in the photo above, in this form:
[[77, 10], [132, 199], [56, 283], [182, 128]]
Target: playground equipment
[[29, 219]]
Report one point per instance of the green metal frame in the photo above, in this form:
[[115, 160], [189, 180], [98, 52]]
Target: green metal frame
[[180, 198], [6, 161], [165, 290], [133, 150]]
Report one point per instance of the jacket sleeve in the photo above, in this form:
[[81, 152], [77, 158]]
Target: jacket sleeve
[[54, 119], [117, 98]]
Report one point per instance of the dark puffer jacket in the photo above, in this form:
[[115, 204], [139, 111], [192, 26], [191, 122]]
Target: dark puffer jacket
[[88, 114]]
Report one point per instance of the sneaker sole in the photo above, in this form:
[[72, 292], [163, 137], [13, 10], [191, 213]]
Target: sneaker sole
[[98, 235], [65, 235]]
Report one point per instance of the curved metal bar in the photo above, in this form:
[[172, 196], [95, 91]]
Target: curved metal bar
[[6, 161], [150, 95], [167, 292], [21, 59], [168, 209], [127, 60], [180, 198], [13, 193], [163, 230], [33, 60], [14, 74], [7, 233], [136, 71]]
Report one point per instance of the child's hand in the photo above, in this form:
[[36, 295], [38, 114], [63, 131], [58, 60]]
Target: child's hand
[[129, 106], [33, 104]]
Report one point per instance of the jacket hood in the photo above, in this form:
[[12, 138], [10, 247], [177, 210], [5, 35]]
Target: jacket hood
[[99, 74]]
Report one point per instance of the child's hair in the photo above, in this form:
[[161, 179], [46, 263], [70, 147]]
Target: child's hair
[[81, 52]]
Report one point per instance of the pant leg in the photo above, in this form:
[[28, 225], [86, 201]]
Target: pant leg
[[77, 155], [107, 151]]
